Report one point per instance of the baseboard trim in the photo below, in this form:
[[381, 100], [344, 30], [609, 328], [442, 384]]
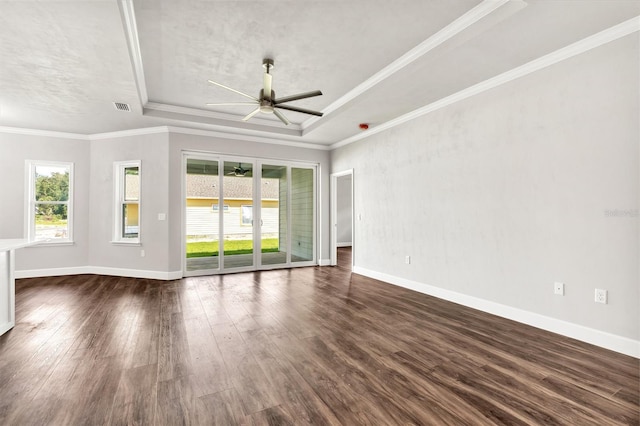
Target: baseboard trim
[[53, 272], [137, 273], [6, 327], [343, 244], [599, 338], [324, 262], [100, 270]]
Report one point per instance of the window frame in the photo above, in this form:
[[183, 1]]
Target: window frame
[[31, 202], [216, 208], [242, 222], [119, 200]]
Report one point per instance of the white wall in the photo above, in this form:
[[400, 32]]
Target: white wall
[[152, 150], [509, 192], [14, 150], [161, 155], [343, 207]]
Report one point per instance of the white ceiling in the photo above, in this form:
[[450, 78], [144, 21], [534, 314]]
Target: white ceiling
[[64, 63]]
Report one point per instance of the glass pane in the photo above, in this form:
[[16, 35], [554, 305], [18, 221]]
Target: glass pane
[[302, 207], [202, 215], [247, 215], [131, 184], [238, 221], [130, 220], [51, 222], [52, 183], [274, 215]]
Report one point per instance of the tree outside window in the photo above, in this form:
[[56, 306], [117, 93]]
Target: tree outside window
[[50, 186]]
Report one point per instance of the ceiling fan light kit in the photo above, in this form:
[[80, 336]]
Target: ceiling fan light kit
[[267, 103]]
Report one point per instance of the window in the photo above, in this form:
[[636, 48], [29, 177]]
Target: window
[[216, 207], [49, 201], [247, 215], [127, 204]]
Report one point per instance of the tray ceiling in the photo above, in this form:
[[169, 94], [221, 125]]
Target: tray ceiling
[[64, 63]]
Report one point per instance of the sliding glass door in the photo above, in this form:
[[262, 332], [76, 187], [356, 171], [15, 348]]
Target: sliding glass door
[[302, 214], [237, 215], [202, 224], [244, 214], [274, 233]]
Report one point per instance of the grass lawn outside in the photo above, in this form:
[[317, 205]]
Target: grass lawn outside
[[231, 247], [45, 221]]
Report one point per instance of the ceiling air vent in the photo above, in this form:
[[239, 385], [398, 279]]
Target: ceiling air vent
[[121, 107]]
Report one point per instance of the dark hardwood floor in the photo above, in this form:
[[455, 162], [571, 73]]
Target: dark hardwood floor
[[301, 346]]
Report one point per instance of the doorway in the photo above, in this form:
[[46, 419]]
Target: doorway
[[244, 214], [342, 217]]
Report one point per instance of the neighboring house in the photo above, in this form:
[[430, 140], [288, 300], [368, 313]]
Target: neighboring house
[[203, 204], [132, 193]]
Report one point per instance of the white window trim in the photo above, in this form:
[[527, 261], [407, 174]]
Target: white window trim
[[242, 215], [118, 184], [30, 202]]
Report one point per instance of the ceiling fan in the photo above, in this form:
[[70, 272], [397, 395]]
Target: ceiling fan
[[267, 102], [239, 171]]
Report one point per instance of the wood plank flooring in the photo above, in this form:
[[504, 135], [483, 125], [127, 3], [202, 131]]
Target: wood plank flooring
[[300, 346]]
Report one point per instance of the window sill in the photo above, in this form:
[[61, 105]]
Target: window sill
[[126, 243], [51, 243]]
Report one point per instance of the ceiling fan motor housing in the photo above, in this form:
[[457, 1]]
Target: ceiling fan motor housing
[[266, 104]]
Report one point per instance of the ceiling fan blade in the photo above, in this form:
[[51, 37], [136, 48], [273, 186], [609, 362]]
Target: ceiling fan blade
[[297, 97], [251, 114], [231, 103], [233, 90], [267, 85], [296, 109], [281, 116]]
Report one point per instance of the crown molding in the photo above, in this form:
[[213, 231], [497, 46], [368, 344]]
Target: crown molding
[[126, 133], [128, 16], [454, 28], [603, 37], [294, 142], [83, 137], [248, 138], [45, 133], [220, 118]]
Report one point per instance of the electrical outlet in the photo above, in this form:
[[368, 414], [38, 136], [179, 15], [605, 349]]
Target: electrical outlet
[[407, 260], [142, 253], [558, 288], [601, 296]]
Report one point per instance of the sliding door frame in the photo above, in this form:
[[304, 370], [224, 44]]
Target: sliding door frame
[[256, 163]]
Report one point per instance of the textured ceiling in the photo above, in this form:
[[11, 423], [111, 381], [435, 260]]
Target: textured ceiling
[[332, 45], [64, 63]]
